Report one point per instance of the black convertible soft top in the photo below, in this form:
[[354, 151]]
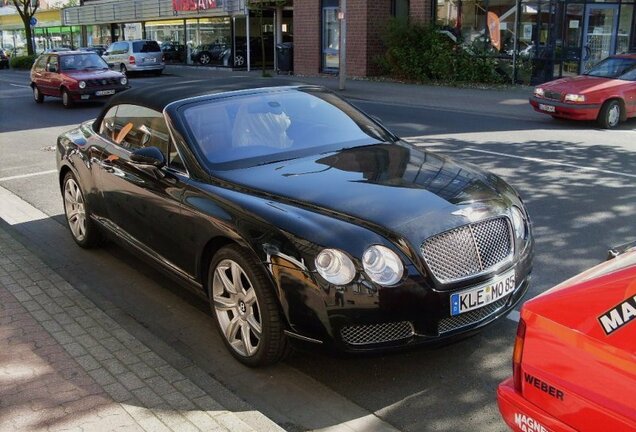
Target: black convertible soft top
[[158, 96]]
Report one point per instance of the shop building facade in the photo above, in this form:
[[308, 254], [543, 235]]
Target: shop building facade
[[533, 40]]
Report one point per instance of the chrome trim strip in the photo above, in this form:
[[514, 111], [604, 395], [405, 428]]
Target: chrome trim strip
[[115, 229], [301, 337]]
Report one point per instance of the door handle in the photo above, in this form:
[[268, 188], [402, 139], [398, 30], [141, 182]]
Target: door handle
[[105, 164]]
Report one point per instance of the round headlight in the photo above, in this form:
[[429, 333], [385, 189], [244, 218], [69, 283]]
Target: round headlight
[[335, 267], [518, 222], [382, 265], [82, 84], [123, 80]]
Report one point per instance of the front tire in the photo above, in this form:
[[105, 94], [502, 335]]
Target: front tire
[[78, 218], [610, 115], [37, 96], [67, 100], [245, 308]]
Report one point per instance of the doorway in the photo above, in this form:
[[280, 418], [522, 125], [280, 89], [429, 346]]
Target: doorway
[[599, 34]]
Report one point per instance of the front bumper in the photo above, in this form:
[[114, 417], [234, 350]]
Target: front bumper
[[521, 415], [566, 110], [412, 313], [91, 93]]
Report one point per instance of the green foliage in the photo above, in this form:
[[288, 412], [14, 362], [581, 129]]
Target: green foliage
[[22, 62], [421, 52]]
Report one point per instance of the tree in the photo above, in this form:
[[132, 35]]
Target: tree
[[26, 9], [258, 6]]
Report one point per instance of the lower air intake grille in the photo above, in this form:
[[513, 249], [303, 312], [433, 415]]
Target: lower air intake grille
[[467, 318], [376, 333]]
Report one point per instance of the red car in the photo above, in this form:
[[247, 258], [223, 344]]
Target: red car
[[574, 360], [606, 93], [74, 76]]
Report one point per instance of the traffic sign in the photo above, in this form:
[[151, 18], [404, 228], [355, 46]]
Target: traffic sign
[[33, 22]]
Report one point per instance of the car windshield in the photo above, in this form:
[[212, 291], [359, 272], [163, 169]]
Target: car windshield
[[82, 62], [615, 67], [262, 128], [146, 46]]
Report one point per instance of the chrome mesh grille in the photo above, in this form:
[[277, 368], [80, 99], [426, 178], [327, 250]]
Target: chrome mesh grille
[[467, 318], [376, 333], [468, 250], [552, 95]]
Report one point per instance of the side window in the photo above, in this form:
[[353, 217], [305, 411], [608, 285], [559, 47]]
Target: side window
[[53, 62], [40, 64]]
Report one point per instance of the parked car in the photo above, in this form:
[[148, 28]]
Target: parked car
[[98, 49], [173, 52], [74, 76], [4, 59], [297, 216], [208, 53], [573, 363], [606, 93], [135, 56]]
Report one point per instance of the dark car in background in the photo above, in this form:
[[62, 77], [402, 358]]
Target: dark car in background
[[297, 216], [74, 76], [98, 49], [173, 52], [4, 59], [208, 54]]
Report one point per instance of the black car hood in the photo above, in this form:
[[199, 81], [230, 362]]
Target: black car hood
[[398, 188]]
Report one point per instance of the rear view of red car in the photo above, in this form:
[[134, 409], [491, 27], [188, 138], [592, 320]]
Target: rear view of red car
[[606, 93], [574, 360], [74, 76]]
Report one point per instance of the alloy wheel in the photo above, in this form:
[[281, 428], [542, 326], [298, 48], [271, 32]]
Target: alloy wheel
[[613, 115], [204, 59], [75, 209], [239, 60], [237, 308]]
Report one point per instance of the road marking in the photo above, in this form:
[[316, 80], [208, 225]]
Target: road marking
[[14, 210], [552, 162], [27, 175], [19, 85], [514, 316]]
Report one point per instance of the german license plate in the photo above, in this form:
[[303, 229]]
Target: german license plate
[[484, 294], [104, 92], [84, 97], [150, 60], [547, 108]]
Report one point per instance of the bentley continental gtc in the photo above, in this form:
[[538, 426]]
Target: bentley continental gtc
[[298, 216]]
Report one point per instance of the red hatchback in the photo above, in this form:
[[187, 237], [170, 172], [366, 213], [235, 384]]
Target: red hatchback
[[74, 76], [574, 360], [606, 93]]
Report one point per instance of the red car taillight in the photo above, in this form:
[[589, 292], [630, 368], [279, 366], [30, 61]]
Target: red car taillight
[[131, 59], [517, 354]]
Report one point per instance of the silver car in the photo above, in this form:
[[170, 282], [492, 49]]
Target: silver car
[[135, 56]]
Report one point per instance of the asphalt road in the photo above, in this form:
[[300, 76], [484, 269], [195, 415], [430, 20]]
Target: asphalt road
[[579, 183]]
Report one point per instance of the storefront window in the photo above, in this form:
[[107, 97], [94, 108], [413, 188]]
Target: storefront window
[[209, 36], [171, 37], [99, 34], [624, 25]]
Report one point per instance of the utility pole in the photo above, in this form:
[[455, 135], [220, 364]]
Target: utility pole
[[342, 71]]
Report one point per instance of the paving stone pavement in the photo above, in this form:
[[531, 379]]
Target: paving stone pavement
[[67, 366]]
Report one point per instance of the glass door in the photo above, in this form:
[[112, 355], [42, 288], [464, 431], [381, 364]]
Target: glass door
[[599, 34], [330, 39]]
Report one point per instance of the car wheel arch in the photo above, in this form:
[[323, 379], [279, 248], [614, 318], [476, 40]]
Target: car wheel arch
[[63, 171], [214, 245]]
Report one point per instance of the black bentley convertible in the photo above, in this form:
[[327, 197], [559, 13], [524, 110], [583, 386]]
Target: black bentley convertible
[[298, 216]]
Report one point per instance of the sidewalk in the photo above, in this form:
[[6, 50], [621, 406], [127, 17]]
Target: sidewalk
[[505, 101], [66, 365]]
